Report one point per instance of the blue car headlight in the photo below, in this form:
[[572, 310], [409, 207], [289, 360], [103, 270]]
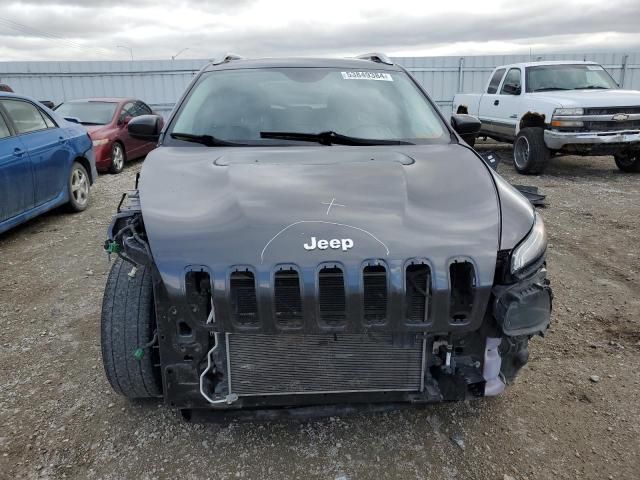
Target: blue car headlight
[[531, 248]]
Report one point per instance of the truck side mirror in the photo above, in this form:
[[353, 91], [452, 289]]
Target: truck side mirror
[[467, 126], [511, 89], [145, 127]]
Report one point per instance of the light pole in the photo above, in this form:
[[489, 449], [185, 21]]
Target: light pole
[[126, 48], [173, 57]]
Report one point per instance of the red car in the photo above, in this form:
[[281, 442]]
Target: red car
[[106, 120]]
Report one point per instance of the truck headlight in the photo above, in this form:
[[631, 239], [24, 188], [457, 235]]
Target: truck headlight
[[531, 248], [557, 119], [561, 112]]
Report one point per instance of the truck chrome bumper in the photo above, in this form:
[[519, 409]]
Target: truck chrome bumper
[[556, 140]]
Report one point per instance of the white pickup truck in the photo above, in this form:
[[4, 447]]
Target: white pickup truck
[[547, 108]]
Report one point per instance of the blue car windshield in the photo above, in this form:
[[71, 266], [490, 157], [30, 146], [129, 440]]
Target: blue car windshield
[[241, 105]]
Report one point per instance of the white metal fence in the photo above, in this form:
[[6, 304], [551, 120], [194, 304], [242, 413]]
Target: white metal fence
[[160, 82]]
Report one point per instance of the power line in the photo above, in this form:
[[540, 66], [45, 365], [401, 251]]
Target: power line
[[25, 29]]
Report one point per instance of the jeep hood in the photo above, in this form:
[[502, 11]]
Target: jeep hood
[[222, 208], [590, 98]]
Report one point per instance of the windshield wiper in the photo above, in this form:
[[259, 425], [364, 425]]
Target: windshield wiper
[[591, 87], [90, 123], [548, 89], [330, 138], [208, 140]]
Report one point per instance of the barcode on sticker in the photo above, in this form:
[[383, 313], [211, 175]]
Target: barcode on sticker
[[385, 77]]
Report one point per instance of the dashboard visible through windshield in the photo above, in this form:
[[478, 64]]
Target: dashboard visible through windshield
[[280, 106]]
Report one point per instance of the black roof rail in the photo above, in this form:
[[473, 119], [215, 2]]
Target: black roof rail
[[226, 58], [376, 57]]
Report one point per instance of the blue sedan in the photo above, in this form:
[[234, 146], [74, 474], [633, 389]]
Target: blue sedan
[[45, 161]]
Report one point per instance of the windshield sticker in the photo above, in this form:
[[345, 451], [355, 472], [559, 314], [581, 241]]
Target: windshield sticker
[[385, 77], [594, 67]]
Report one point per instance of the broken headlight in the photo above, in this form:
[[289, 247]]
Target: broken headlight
[[531, 248]]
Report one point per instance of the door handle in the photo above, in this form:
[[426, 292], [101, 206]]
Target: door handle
[[496, 102], [18, 152]]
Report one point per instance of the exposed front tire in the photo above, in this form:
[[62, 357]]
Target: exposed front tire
[[79, 188], [118, 157], [530, 154], [629, 163], [127, 325]]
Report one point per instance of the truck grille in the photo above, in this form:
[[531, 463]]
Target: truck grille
[[305, 364], [610, 110], [610, 125]]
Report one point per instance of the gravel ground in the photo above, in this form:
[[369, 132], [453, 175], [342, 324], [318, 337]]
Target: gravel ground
[[573, 414]]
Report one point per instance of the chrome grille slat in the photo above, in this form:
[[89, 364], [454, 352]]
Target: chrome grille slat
[[305, 364]]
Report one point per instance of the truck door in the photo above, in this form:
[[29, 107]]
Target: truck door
[[16, 177], [508, 106], [487, 110]]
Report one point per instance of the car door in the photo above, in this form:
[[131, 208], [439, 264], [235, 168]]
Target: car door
[[509, 104], [488, 110], [46, 145], [16, 177]]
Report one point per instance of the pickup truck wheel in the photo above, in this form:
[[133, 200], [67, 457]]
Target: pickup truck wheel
[[530, 154], [128, 327], [628, 163]]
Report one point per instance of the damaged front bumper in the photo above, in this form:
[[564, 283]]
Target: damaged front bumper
[[208, 361], [604, 141]]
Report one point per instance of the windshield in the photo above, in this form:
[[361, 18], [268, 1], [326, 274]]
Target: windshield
[[238, 105], [88, 113], [568, 77]]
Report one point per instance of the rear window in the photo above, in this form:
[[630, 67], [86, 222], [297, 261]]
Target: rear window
[[495, 80]]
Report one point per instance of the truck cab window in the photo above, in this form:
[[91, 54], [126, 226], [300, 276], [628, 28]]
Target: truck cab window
[[495, 81], [512, 83]]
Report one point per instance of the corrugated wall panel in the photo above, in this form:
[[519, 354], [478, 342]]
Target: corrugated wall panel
[[161, 82]]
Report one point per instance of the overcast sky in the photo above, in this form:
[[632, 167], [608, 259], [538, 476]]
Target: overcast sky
[[159, 29]]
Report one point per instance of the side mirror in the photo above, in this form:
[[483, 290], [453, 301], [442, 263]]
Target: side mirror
[[48, 103], [511, 89], [145, 127], [467, 126]]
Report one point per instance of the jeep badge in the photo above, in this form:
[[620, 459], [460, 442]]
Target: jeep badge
[[335, 243]]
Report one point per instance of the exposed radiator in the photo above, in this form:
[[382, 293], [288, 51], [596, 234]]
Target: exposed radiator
[[302, 364]]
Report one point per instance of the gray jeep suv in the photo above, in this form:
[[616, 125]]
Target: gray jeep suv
[[313, 232]]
